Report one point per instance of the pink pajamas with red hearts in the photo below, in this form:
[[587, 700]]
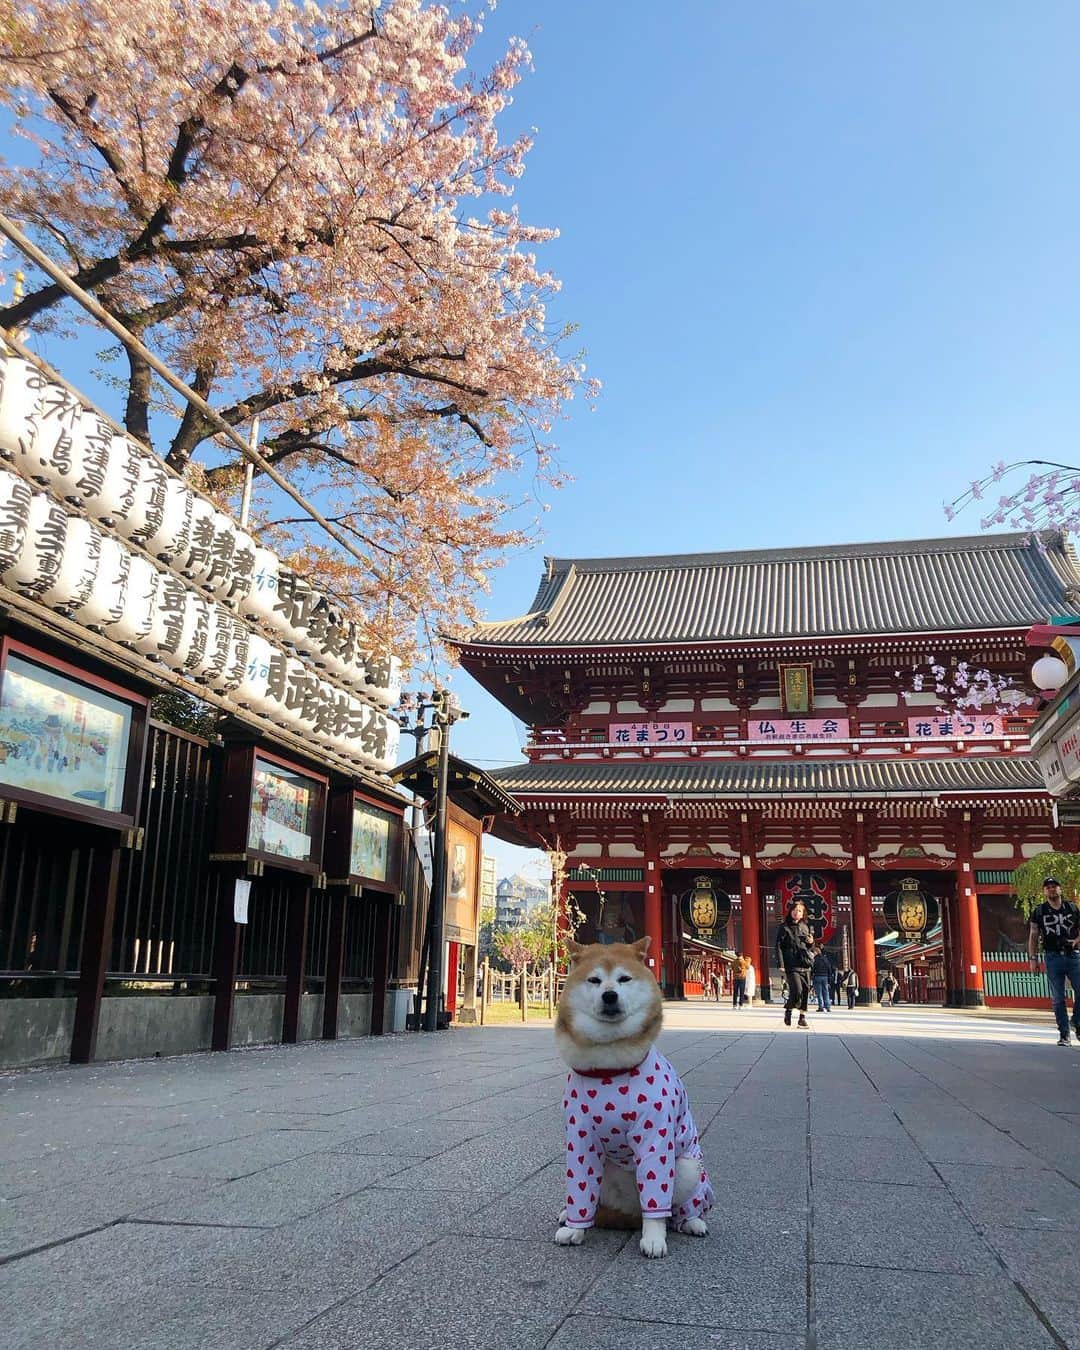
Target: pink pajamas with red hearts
[[640, 1119]]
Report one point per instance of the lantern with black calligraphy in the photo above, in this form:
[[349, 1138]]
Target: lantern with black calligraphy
[[80, 562], [261, 600], [706, 908], [817, 891], [15, 497], [250, 691], [169, 541], [105, 603], [38, 563], [146, 514], [132, 628], [20, 389], [910, 910], [50, 461]]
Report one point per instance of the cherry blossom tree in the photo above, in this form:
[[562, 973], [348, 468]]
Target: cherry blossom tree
[[964, 688], [302, 207], [1049, 498]]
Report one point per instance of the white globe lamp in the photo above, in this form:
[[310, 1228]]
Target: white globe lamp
[[1049, 673]]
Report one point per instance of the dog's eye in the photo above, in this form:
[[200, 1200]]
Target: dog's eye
[[595, 979], [624, 979]]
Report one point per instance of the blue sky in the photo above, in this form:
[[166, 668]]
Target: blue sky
[[824, 257]]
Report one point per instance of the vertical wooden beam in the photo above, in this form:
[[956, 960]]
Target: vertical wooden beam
[[226, 960], [751, 905], [968, 906], [653, 906], [96, 944], [380, 984], [296, 923], [862, 914], [335, 956]]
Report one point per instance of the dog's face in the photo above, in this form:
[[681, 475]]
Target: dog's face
[[610, 995]]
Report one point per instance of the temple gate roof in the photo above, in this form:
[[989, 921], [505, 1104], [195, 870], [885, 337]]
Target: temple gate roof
[[989, 581]]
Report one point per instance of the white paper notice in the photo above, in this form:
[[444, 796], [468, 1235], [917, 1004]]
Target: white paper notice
[[240, 899]]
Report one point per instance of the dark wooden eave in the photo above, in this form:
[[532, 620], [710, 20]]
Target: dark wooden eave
[[468, 787]]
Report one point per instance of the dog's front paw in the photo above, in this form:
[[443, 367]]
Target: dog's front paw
[[695, 1227], [562, 1216], [570, 1237], [653, 1237]]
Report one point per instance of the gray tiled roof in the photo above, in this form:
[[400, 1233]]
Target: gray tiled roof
[[772, 777], [919, 586]]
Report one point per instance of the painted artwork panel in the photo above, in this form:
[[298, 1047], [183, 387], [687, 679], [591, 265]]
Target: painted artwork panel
[[62, 738], [370, 842], [462, 881], [283, 806]]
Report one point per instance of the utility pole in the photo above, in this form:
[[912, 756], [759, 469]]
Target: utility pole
[[444, 716]]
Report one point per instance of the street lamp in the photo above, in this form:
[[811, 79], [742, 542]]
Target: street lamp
[[446, 710]]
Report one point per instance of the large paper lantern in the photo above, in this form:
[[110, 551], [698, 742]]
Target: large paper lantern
[[80, 562], [110, 479], [233, 572], [58, 416], [20, 388], [15, 497], [132, 629], [195, 561], [261, 600], [105, 603], [169, 541], [38, 563], [251, 691], [146, 515]]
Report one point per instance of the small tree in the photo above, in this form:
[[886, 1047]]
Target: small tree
[[1028, 878], [516, 947]]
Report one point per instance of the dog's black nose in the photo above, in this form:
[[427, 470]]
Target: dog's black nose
[[609, 996]]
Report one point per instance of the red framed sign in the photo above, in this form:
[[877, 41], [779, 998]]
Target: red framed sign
[[363, 841], [272, 809], [71, 742]]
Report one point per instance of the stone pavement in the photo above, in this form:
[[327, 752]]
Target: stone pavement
[[893, 1178]]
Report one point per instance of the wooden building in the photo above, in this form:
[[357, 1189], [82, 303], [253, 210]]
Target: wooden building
[[711, 734]]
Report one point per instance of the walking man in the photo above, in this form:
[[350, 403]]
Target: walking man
[[851, 985], [889, 987], [738, 983], [795, 954], [1057, 922], [823, 981]]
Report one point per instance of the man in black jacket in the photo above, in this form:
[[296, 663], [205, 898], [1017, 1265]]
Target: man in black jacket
[[823, 974], [795, 953]]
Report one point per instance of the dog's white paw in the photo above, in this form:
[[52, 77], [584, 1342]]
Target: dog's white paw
[[695, 1227], [570, 1237], [562, 1216], [653, 1237]]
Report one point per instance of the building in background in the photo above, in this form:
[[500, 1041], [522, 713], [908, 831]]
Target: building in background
[[487, 883], [714, 734], [516, 898]]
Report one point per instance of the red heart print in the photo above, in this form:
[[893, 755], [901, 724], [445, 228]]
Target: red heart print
[[581, 1185], [641, 1097], [582, 1133], [592, 1092], [696, 1202], [650, 1176], [581, 1157], [570, 1173], [605, 1082], [663, 1185], [652, 1203], [658, 1106], [661, 1133], [590, 1172], [650, 1080], [573, 1120], [641, 1185], [573, 1093], [584, 1213], [663, 1158], [609, 1106], [598, 1120], [648, 1124], [625, 1089], [637, 1138]]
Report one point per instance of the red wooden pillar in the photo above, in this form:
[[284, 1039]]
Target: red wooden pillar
[[96, 945], [968, 907], [296, 959], [862, 915], [451, 980], [752, 927], [654, 910]]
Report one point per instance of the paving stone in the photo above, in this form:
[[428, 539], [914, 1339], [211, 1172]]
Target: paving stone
[[848, 1158], [1014, 1197], [242, 1157], [887, 1310], [619, 1333], [897, 1227], [425, 1139], [748, 1273], [1045, 1265]]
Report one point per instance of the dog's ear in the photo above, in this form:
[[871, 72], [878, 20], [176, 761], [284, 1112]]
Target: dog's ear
[[573, 949], [642, 946]]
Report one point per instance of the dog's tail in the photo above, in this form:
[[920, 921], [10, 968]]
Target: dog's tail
[[606, 1217]]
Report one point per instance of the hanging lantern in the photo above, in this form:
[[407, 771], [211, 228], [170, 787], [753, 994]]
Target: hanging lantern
[[20, 389], [58, 416], [706, 908], [105, 603], [195, 561], [261, 599], [146, 515], [233, 574], [251, 691], [169, 541], [1049, 673], [15, 497], [817, 891], [911, 911], [135, 622], [80, 562], [38, 563]]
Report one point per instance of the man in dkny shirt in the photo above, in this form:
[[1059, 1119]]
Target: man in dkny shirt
[[1057, 922]]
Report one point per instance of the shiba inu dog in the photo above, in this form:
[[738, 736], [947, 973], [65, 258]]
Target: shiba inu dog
[[632, 1152]]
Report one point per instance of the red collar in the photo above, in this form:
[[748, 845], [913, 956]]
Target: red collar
[[609, 1073]]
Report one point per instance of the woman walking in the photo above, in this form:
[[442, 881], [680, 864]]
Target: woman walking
[[851, 985], [795, 952], [738, 983]]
